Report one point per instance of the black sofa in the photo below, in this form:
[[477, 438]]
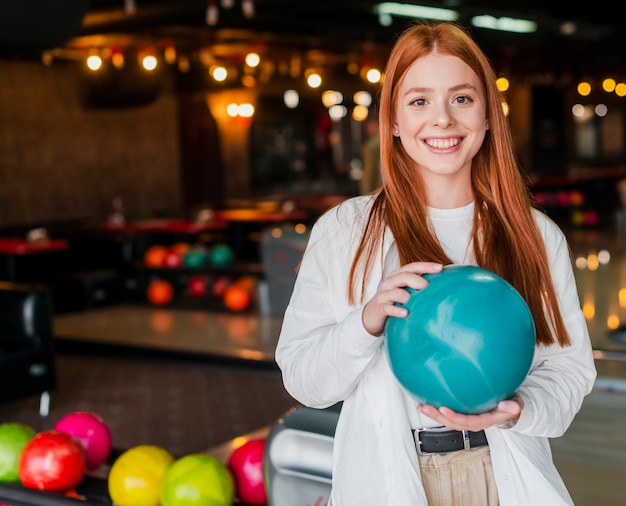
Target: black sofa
[[27, 360]]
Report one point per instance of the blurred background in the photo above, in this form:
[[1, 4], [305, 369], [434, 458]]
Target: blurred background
[[172, 106], [134, 133]]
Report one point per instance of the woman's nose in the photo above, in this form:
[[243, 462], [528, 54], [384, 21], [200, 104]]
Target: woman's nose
[[442, 116]]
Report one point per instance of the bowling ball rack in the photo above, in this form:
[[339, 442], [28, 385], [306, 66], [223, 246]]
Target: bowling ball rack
[[91, 492]]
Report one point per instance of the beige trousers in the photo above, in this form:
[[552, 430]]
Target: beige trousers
[[463, 478]]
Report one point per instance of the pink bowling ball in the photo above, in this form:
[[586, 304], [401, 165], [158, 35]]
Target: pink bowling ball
[[92, 433]]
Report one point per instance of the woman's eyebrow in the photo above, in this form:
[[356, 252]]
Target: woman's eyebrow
[[464, 86]]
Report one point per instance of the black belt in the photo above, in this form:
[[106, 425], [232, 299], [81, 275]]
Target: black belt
[[444, 440]]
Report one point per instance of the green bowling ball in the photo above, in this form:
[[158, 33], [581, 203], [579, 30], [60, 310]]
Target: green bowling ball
[[13, 439], [198, 480]]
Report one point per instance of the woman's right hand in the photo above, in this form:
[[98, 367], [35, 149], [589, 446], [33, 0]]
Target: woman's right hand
[[391, 290]]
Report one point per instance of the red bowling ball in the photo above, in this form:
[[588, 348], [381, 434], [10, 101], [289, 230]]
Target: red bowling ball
[[219, 286], [93, 434], [173, 259], [246, 465], [52, 461], [197, 286]]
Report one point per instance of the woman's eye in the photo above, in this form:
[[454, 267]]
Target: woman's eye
[[463, 100], [419, 102]]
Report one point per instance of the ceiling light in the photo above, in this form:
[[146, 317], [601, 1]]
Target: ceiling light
[[291, 99], [373, 75], [252, 59], [386, 10], [505, 24], [94, 62], [363, 98], [608, 85]]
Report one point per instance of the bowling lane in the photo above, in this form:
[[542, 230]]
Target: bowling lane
[[248, 337]]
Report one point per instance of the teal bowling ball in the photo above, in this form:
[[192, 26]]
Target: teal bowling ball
[[221, 256], [195, 258], [467, 343]]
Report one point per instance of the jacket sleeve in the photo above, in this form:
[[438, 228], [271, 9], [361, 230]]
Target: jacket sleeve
[[323, 348], [560, 377]]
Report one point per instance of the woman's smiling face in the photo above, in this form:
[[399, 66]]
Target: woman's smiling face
[[441, 116]]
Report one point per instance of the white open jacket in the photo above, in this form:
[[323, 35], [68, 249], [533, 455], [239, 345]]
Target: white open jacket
[[326, 356]]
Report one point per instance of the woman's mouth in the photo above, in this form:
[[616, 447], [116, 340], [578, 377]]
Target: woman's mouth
[[443, 143]]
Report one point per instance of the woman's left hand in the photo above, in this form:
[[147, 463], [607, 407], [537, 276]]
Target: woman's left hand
[[505, 412]]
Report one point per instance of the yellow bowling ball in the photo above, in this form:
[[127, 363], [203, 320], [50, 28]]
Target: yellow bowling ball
[[136, 475]]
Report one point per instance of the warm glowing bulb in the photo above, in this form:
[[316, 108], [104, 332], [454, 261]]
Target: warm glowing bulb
[[360, 112], [149, 62], [94, 62], [363, 98], [219, 73], [232, 110], [589, 310], [608, 85], [246, 110], [502, 83], [601, 110], [248, 81], [612, 322], [170, 54], [331, 97], [252, 59], [117, 59], [584, 89], [314, 80], [622, 297], [373, 75], [337, 112], [291, 99]]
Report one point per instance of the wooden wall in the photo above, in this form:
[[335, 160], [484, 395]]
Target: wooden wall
[[61, 161]]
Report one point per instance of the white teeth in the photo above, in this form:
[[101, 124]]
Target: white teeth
[[442, 143]]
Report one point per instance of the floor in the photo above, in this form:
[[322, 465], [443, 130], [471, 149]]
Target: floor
[[192, 380]]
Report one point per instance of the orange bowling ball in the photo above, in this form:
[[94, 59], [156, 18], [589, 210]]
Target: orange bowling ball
[[180, 247], [160, 292], [155, 256], [237, 297]]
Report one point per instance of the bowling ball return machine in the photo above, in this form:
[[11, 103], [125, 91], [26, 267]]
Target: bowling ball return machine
[[298, 457]]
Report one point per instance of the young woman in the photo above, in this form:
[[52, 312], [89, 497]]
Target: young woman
[[452, 193]]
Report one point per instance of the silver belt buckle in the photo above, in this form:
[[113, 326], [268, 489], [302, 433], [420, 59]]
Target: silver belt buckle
[[418, 443], [466, 440]]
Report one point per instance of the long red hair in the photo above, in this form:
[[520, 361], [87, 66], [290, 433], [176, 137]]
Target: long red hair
[[505, 236]]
